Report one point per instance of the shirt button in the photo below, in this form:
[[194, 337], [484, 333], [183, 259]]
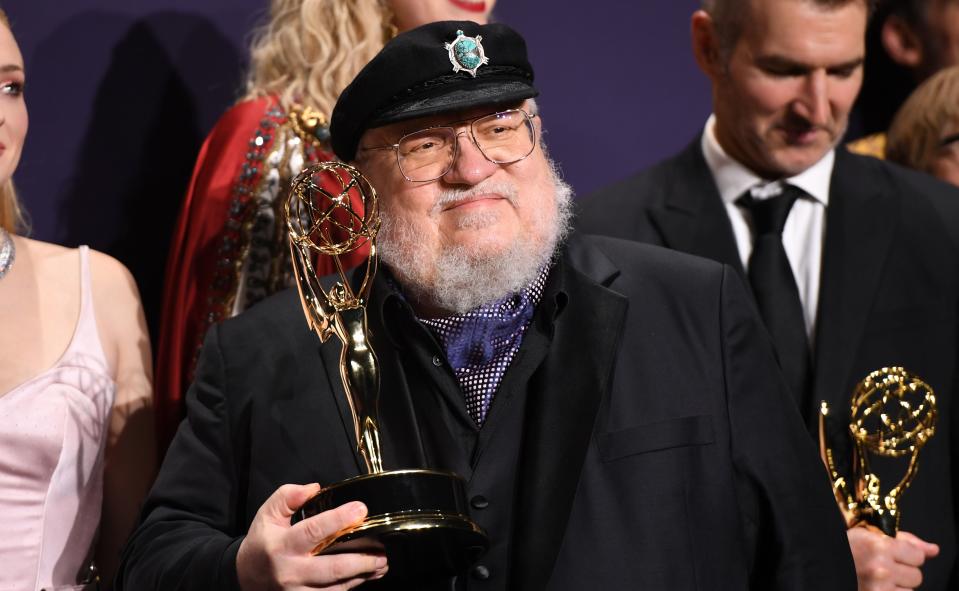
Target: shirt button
[[437, 361], [479, 502], [480, 572]]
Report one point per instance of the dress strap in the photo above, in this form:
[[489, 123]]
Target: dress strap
[[87, 337], [86, 283]]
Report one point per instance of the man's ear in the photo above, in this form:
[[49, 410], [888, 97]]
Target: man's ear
[[706, 44], [902, 42]]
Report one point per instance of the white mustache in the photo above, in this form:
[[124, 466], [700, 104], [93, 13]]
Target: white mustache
[[453, 196]]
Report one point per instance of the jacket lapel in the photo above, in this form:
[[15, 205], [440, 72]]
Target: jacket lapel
[[693, 218], [561, 410], [860, 223], [309, 411]]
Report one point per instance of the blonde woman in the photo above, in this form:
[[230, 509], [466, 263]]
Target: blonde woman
[[76, 427], [228, 250], [924, 134]]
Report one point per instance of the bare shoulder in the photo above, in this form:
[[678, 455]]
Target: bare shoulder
[[111, 279]]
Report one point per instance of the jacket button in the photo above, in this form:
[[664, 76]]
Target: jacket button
[[479, 502], [437, 361], [480, 572]]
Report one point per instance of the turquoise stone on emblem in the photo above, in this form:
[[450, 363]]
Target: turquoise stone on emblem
[[466, 53]]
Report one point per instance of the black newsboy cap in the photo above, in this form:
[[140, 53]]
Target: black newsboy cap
[[414, 75]]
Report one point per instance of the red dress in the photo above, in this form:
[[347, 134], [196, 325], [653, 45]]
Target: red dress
[[229, 249]]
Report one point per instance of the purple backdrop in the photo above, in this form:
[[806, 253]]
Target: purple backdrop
[[121, 94]]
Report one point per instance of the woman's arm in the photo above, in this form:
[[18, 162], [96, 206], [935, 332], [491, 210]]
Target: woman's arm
[[130, 465]]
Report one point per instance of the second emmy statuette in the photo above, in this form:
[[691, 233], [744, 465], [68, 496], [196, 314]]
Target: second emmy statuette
[[893, 414], [420, 517]]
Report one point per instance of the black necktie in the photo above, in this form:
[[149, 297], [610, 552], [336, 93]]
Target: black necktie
[[775, 289]]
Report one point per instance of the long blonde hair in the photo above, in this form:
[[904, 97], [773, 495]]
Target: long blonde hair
[[311, 49], [11, 216], [916, 130]]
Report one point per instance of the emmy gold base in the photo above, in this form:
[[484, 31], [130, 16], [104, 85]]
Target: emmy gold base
[[419, 518]]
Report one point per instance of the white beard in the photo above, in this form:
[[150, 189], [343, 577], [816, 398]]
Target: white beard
[[460, 279]]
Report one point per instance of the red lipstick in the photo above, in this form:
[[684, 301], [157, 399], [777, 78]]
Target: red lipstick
[[470, 5]]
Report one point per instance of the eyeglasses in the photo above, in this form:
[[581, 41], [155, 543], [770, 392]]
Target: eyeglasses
[[428, 154]]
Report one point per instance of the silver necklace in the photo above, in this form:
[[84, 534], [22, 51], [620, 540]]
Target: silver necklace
[[8, 252]]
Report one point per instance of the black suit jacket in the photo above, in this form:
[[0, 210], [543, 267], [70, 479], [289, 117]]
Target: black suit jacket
[[657, 452], [889, 295]]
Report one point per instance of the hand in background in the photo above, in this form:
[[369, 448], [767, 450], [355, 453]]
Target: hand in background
[[276, 555]]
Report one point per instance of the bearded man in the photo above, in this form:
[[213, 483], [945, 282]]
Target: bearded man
[[615, 408]]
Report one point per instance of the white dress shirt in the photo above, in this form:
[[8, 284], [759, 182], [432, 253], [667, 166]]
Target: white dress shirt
[[805, 227]]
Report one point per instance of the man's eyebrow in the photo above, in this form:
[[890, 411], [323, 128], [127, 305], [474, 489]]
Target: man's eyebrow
[[785, 64], [5, 69], [850, 65]]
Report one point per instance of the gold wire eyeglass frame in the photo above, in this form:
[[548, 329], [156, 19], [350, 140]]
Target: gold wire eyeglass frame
[[451, 126]]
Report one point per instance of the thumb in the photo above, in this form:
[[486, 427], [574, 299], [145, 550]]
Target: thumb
[[287, 500], [927, 548]]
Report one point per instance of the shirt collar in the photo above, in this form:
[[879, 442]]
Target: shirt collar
[[733, 179]]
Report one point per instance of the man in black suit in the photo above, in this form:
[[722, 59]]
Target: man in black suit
[[615, 408], [860, 269]]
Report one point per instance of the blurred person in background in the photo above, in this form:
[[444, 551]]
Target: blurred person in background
[[229, 248], [76, 424], [924, 135], [907, 41]]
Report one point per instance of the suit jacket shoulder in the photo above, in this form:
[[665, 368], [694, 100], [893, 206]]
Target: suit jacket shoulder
[[935, 202], [682, 181], [625, 262], [675, 204]]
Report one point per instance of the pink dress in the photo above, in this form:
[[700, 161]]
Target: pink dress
[[53, 430]]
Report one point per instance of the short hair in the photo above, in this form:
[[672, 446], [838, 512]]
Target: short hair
[[11, 215], [311, 49], [730, 17], [916, 131]]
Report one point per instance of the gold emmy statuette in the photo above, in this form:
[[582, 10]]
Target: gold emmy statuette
[[892, 415], [420, 517]]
